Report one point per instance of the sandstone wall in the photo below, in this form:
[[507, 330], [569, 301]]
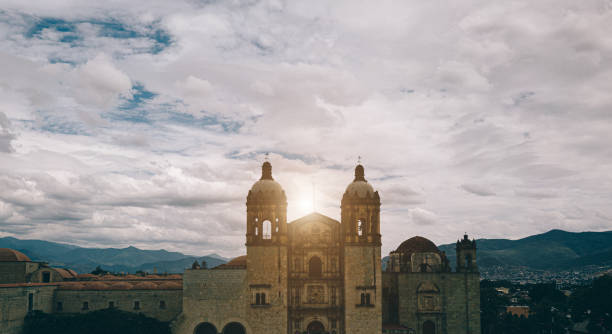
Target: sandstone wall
[[455, 309], [362, 274], [215, 296], [14, 305], [163, 305], [267, 273]]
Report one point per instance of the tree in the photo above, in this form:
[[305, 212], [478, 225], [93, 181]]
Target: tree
[[98, 322], [99, 271]]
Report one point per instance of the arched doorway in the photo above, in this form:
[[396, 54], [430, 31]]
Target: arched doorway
[[315, 327], [315, 267], [205, 328], [234, 328], [429, 327]]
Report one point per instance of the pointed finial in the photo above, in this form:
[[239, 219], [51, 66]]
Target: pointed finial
[[266, 171], [359, 173], [359, 160]]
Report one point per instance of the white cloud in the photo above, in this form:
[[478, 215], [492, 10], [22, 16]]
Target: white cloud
[[421, 216], [6, 134], [100, 83]]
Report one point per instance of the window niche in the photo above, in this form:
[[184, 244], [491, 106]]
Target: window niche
[[315, 267], [266, 230], [260, 299]]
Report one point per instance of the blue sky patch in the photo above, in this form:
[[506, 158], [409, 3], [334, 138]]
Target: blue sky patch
[[227, 125], [140, 96], [160, 38], [50, 23], [60, 125]]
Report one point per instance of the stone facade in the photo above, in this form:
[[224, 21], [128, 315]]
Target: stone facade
[[163, 305], [423, 296]]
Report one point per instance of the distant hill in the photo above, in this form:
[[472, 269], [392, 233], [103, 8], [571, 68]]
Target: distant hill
[[555, 250], [84, 260]]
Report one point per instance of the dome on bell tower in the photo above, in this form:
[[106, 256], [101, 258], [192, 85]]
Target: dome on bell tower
[[360, 214], [359, 187], [266, 187], [266, 210]]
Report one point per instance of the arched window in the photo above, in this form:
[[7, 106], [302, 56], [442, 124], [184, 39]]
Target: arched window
[[315, 267], [257, 299], [359, 228], [468, 260], [363, 298], [256, 230], [266, 229], [429, 327], [297, 265], [234, 328], [205, 328]]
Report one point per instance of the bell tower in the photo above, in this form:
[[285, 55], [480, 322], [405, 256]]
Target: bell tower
[[466, 255], [360, 211], [266, 244], [266, 211], [360, 219]]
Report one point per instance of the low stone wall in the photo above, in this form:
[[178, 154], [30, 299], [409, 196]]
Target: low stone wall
[[217, 296], [163, 305], [16, 300]]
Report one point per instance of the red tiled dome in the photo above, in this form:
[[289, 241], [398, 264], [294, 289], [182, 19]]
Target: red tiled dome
[[236, 263], [11, 255], [417, 245]]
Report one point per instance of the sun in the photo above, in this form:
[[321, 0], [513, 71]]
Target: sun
[[305, 204]]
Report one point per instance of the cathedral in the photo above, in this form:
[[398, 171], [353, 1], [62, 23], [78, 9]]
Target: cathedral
[[320, 275], [314, 275]]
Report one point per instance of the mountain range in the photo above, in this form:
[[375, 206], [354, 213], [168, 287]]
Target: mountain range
[[128, 260], [555, 250]]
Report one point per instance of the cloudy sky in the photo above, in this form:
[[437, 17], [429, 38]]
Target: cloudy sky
[[145, 122]]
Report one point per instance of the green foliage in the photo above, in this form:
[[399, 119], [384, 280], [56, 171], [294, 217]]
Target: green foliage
[[110, 321], [548, 294], [557, 250], [99, 271], [594, 302], [547, 310]]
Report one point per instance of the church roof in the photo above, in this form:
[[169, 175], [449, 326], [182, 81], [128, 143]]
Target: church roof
[[417, 245], [11, 255], [315, 216], [235, 263]]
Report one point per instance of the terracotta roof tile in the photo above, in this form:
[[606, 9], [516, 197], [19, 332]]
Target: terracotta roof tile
[[417, 245], [235, 263], [11, 255]]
